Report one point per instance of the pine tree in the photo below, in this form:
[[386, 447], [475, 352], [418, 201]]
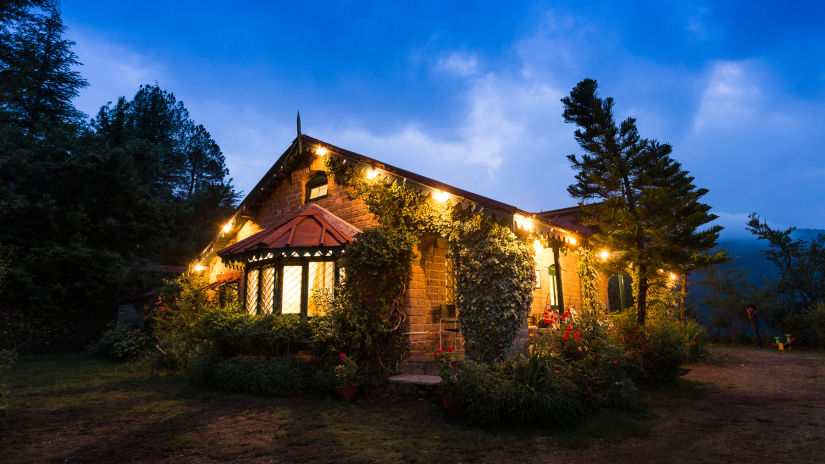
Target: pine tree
[[639, 201], [37, 78]]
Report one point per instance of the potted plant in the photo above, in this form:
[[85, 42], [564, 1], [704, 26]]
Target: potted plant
[[346, 374], [448, 370]]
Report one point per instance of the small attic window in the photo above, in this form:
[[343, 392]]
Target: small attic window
[[316, 187]]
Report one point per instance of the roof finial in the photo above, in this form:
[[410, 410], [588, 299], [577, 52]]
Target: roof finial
[[299, 132]]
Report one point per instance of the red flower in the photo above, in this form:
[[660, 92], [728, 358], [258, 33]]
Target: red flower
[[162, 308], [615, 362], [694, 342], [342, 355], [437, 347], [435, 355], [450, 349]]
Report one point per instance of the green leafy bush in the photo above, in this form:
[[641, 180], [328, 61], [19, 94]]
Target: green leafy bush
[[529, 392], [233, 333], [7, 358], [594, 362], [494, 279], [262, 377], [696, 340], [655, 351], [122, 344], [177, 319], [816, 320]]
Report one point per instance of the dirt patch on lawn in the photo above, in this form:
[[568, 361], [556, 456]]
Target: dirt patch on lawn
[[760, 406], [751, 406]]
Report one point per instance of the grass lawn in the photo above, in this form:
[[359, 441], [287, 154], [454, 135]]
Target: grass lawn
[[71, 409]]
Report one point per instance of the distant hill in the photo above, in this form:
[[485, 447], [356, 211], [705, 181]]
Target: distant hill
[[745, 253]]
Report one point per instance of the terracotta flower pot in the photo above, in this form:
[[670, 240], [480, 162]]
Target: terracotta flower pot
[[447, 403], [346, 392]]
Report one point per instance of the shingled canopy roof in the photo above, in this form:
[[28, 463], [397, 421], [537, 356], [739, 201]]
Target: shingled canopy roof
[[314, 231]]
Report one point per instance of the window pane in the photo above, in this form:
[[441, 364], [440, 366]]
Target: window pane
[[252, 291], [321, 278], [319, 191], [291, 293], [267, 289]]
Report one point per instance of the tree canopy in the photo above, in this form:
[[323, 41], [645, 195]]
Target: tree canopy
[[640, 202], [85, 206]]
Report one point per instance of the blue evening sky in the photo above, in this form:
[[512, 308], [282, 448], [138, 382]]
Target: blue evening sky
[[469, 93]]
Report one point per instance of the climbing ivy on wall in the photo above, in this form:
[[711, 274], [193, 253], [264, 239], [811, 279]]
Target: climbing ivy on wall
[[588, 275], [493, 267], [494, 281]]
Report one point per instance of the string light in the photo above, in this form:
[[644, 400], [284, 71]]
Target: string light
[[227, 227], [321, 151], [372, 174], [604, 255], [441, 196]]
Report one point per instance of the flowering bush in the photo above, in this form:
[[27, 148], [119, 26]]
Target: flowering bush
[[594, 362], [346, 372]]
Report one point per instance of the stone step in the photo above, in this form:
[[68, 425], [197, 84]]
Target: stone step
[[415, 384], [417, 367]]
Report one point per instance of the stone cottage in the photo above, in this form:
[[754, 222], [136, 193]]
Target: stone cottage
[[283, 240]]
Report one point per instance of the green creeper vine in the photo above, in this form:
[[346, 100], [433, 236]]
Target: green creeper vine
[[493, 267], [494, 280], [588, 276]]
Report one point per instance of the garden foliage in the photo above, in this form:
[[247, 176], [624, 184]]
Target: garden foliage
[[654, 351], [122, 344], [494, 282], [572, 370], [235, 333]]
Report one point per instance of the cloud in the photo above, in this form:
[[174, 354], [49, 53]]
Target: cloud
[[732, 94], [458, 64]]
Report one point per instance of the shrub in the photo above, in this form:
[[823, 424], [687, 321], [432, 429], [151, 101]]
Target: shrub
[[494, 280], [816, 320], [122, 344], [235, 333], [594, 362], [527, 392], [268, 377], [176, 319], [655, 351], [7, 358], [696, 340]]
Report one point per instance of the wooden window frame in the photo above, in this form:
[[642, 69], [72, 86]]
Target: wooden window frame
[[279, 282]]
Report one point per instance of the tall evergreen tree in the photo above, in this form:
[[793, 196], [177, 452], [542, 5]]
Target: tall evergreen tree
[[38, 79], [641, 204]]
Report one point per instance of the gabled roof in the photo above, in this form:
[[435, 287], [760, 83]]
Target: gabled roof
[[312, 227], [305, 145]]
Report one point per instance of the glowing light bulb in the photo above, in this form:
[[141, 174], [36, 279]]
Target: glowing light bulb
[[673, 276], [321, 151], [604, 254], [372, 174], [200, 268], [572, 240], [227, 227], [537, 245], [441, 196]]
